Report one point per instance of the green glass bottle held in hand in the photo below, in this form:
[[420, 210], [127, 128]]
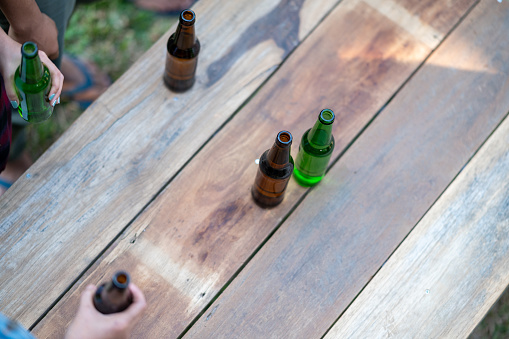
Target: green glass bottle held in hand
[[32, 81], [315, 150]]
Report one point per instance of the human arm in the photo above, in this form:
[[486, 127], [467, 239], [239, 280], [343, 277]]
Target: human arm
[[90, 323], [28, 23], [10, 58]]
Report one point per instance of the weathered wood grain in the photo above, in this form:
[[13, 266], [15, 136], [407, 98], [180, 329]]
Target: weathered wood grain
[[322, 256], [187, 245], [97, 177], [452, 267]]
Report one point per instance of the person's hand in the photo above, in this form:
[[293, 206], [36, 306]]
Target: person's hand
[[10, 58], [41, 30], [90, 323]]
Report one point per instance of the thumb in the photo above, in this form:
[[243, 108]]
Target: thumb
[[87, 296]]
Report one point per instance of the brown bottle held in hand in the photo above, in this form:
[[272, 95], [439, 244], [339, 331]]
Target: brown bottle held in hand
[[274, 172], [113, 296], [182, 57]]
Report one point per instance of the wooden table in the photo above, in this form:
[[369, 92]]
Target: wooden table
[[406, 236]]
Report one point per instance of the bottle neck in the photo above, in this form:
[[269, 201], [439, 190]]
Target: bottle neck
[[112, 289], [185, 36], [120, 281], [320, 135], [279, 154], [31, 69]]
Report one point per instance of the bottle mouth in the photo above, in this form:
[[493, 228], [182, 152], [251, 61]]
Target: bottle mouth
[[29, 49], [121, 279], [284, 138], [187, 17], [326, 116]]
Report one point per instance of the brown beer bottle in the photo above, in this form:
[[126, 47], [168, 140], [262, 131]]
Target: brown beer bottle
[[113, 296], [182, 57], [274, 172]]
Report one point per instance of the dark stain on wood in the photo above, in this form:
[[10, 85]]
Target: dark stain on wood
[[227, 215], [203, 256], [281, 25]]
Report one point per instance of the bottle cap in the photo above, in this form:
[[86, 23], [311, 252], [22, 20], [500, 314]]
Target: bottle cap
[[326, 116], [29, 50], [121, 280], [187, 17], [284, 138]]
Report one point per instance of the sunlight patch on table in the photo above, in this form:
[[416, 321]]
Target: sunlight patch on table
[[408, 21], [189, 283]]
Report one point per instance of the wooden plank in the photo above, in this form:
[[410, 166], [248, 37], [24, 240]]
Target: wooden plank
[[303, 278], [453, 266], [204, 226], [118, 155]]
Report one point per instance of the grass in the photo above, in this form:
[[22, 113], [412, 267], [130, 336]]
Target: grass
[[113, 34], [496, 323]]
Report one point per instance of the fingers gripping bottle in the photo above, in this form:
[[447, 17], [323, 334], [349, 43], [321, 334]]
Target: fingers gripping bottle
[[315, 150], [32, 82]]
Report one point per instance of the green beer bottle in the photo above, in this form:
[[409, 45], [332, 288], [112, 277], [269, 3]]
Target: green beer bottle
[[315, 150], [33, 83]]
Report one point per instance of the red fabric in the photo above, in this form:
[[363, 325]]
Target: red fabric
[[5, 126]]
